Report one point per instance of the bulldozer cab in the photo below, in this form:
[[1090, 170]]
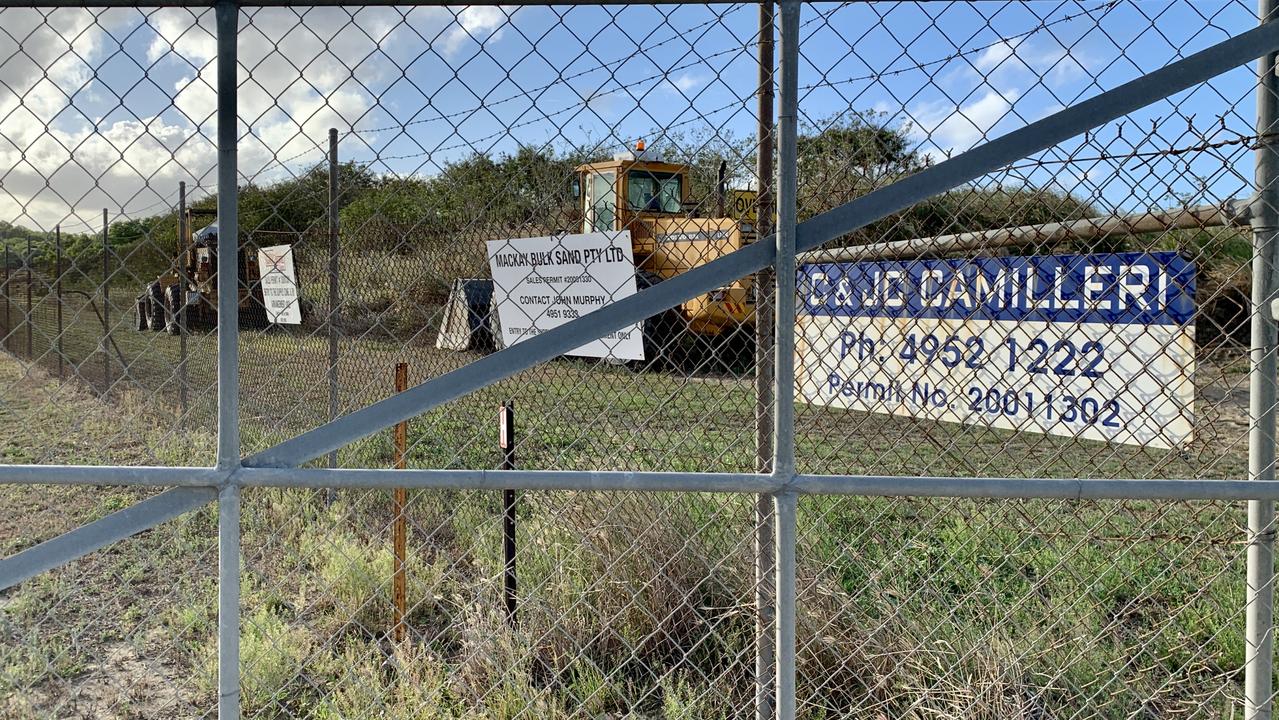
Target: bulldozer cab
[[197, 245], [196, 272], [199, 255], [621, 193], [641, 193]]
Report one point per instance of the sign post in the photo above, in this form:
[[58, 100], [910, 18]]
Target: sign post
[[1099, 347]]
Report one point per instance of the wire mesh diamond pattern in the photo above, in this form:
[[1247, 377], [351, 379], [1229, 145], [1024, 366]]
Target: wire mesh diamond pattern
[[420, 190]]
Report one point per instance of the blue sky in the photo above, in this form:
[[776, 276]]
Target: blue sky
[[113, 108]]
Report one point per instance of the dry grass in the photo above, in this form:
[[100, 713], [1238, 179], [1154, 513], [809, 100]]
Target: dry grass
[[632, 605]]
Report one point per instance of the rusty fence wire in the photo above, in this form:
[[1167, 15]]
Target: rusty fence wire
[[988, 444]]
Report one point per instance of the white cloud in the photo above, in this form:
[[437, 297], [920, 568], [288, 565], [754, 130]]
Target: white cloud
[[606, 103], [949, 127], [302, 71], [38, 76], [683, 84], [992, 81], [995, 56], [1013, 65], [1068, 66], [687, 82], [474, 23], [178, 32]]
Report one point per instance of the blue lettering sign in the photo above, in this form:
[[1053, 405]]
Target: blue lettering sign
[[1145, 288]]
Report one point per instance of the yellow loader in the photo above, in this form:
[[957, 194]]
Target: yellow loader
[[639, 192]]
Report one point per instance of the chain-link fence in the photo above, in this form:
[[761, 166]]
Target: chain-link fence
[[487, 390]]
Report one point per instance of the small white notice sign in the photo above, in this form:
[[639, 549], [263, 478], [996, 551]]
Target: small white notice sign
[[279, 285], [541, 283]]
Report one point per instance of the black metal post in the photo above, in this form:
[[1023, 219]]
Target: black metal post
[[401, 531], [7, 310], [506, 441], [184, 247], [721, 188], [57, 270], [26, 261], [106, 303], [330, 327]]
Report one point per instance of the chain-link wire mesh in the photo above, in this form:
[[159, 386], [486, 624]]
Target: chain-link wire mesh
[[962, 608], [127, 632], [1172, 156], [428, 185]]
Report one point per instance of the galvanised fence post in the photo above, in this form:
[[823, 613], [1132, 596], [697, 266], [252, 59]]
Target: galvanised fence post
[[1259, 645], [229, 603], [785, 502], [228, 269], [228, 458]]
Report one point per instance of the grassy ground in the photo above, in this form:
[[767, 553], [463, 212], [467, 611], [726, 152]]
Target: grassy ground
[[631, 605], [583, 414]]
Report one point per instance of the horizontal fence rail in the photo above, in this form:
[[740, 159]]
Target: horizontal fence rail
[[604, 481]]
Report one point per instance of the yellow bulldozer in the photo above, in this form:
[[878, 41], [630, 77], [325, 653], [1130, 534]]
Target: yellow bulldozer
[[639, 192]]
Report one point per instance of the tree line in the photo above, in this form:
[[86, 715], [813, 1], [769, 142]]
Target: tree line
[[530, 192]]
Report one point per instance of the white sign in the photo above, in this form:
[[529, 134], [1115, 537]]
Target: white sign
[[1089, 346], [279, 285], [541, 283]]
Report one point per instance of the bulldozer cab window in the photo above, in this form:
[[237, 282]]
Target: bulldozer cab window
[[653, 192], [601, 201]]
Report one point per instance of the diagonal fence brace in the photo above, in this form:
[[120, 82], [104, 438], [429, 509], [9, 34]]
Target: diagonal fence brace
[[85, 539], [946, 175]]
